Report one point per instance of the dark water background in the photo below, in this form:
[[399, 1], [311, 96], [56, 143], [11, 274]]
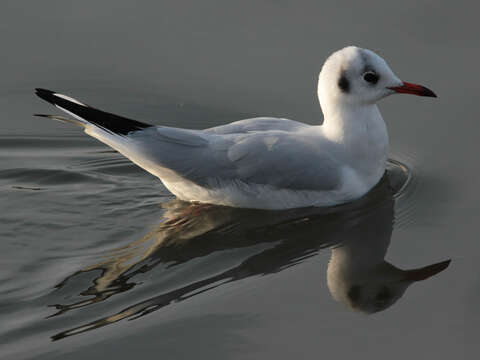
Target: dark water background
[[96, 261]]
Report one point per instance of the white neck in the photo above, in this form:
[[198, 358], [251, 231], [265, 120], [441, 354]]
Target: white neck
[[360, 131]]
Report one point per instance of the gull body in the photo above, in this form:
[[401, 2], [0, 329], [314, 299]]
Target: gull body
[[265, 162]]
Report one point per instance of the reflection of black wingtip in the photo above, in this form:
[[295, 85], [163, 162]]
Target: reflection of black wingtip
[[42, 115]]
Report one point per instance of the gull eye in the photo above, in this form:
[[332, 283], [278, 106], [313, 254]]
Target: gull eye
[[370, 77]]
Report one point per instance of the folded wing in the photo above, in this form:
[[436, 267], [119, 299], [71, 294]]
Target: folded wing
[[275, 158]]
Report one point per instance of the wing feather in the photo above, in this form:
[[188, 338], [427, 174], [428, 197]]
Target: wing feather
[[277, 158]]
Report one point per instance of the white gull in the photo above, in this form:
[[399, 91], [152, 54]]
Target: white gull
[[264, 162]]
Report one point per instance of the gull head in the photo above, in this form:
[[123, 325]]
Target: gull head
[[356, 76]]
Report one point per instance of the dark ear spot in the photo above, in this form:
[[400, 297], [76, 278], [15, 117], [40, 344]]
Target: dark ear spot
[[354, 293], [343, 83]]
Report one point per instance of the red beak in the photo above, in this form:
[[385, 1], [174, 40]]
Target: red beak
[[409, 88]]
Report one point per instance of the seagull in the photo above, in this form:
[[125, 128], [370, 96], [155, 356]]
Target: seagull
[[265, 162]]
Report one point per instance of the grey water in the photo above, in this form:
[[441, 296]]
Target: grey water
[[97, 258]]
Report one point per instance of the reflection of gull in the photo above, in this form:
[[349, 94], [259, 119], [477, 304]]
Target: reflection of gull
[[359, 277], [255, 242], [267, 163]]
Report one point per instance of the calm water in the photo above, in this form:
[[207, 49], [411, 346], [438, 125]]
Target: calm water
[[98, 260]]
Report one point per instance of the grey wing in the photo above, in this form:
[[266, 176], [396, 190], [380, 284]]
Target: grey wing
[[284, 160], [257, 124], [278, 158], [190, 154]]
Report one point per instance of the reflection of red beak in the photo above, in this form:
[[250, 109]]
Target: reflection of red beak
[[409, 88], [426, 272]]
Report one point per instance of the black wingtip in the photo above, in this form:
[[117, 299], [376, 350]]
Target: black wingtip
[[43, 90], [47, 95], [107, 121], [42, 115]]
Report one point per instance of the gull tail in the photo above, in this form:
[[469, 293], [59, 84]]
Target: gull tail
[[63, 119], [85, 115]]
